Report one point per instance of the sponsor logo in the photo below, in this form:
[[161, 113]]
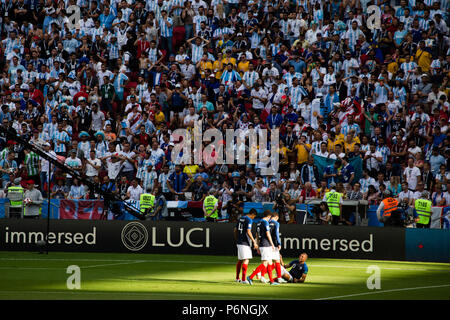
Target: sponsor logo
[[341, 245], [32, 237], [134, 236]]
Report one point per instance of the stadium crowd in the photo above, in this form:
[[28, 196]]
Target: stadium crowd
[[103, 95]]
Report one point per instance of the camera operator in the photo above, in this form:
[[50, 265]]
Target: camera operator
[[284, 209]]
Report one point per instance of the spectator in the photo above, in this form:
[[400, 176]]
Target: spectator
[[137, 72]]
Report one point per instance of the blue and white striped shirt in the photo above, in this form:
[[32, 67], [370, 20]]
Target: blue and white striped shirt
[[63, 136], [153, 54], [166, 31], [288, 77], [148, 179], [408, 66], [385, 152], [230, 76], [346, 129], [197, 52], [113, 50], [296, 94], [250, 77]]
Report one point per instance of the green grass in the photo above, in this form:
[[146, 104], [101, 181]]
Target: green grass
[[27, 275]]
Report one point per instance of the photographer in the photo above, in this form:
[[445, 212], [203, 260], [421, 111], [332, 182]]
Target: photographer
[[284, 209]]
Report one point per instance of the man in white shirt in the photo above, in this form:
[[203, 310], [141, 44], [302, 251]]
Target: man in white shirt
[[366, 181], [259, 97], [373, 159], [128, 156], [131, 104], [93, 165], [406, 195], [414, 149], [311, 34], [412, 175], [113, 162], [190, 119], [98, 118], [134, 191], [323, 150], [74, 163]]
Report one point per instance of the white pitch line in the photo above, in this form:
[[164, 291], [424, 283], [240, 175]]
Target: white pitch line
[[382, 291], [212, 262], [113, 264], [3, 292], [28, 268]]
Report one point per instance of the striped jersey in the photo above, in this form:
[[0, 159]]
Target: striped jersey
[[32, 163], [165, 30], [62, 136], [250, 77]]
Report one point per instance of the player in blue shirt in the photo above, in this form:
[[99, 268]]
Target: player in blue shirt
[[298, 272], [243, 235], [275, 234], [266, 247]]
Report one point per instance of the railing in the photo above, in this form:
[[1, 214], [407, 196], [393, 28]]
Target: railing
[[191, 210]]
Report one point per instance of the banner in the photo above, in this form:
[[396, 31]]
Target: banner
[[81, 209], [322, 163], [200, 238]]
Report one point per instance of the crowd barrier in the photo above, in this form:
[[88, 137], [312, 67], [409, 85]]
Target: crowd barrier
[[173, 237], [94, 210]]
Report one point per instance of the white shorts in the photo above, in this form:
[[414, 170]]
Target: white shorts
[[284, 271], [244, 252], [266, 253], [275, 254]]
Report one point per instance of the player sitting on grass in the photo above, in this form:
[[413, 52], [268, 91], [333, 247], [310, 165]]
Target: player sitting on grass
[[243, 236], [266, 248], [298, 271]]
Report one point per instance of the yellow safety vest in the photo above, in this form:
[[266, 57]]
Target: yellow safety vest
[[333, 200], [16, 189], [209, 204], [423, 209], [146, 200]]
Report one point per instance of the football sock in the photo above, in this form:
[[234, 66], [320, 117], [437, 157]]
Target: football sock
[[269, 271], [278, 269], [244, 272], [260, 268], [263, 272], [238, 268]]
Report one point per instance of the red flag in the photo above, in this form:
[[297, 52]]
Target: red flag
[[67, 209]]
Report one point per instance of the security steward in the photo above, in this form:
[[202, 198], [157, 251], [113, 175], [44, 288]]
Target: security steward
[[147, 203], [422, 208], [210, 204], [334, 202], [391, 214], [16, 188]]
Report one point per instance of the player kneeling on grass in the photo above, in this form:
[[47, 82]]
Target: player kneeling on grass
[[266, 248], [298, 271], [243, 236]]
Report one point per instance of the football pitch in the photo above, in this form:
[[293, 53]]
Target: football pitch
[[29, 275]]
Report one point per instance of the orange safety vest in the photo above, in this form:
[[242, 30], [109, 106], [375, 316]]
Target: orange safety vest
[[390, 205]]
